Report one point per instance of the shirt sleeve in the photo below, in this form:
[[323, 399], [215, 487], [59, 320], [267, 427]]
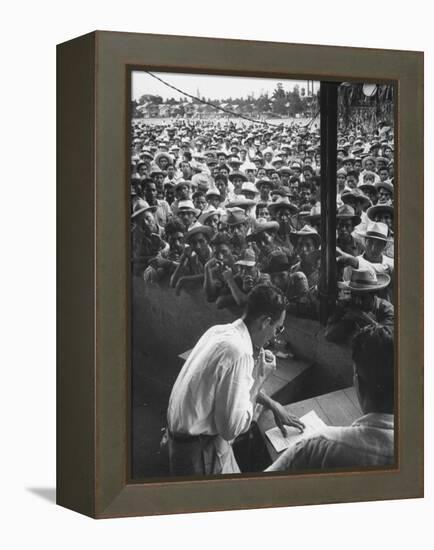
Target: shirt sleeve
[[233, 407]]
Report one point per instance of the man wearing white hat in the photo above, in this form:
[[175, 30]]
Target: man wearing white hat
[[375, 240]]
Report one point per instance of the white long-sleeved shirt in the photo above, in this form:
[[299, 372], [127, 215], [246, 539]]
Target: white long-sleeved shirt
[[212, 392]]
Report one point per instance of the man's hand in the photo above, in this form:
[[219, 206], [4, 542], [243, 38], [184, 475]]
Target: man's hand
[[266, 363], [283, 418], [227, 274]]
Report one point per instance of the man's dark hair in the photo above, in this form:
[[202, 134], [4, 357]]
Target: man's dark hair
[[353, 173], [265, 299], [173, 226], [373, 356]]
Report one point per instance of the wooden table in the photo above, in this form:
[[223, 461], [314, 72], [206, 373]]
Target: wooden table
[[338, 408]]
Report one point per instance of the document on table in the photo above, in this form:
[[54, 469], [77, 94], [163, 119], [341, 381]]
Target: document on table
[[312, 422]]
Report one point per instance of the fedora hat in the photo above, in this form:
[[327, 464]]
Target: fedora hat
[[187, 206], [260, 226], [201, 180], [373, 210], [264, 181], [237, 174], [356, 194], [142, 206], [248, 258], [213, 192], [199, 228], [366, 279], [249, 187], [375, 230], [211, 211], [368, 187], [346, 212], [282, 202], [305, 231], [162, 154], [385, 185], [277, 262], [182, 183]]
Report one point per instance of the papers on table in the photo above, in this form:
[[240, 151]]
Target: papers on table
[[312, 422]]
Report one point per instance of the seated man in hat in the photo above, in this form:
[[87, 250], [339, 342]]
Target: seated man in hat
[[282, 211], [236, 223], [146, 243], [240, 280], [346, 221], [385, 192], [369, 441], [190, 271], [262, 237], [363, 307], [384, 213], [164, 264], [187, 213], [375, 241]]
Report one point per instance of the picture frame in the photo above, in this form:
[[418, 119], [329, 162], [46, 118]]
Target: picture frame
[[93, 363]]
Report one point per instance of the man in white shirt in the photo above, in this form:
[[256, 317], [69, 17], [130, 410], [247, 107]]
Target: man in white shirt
[[215, 394]]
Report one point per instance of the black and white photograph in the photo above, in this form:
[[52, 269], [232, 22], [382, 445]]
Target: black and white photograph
[[262, 271]]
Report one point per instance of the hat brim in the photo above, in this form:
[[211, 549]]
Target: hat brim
[[383, 281], [379, 208], [269, 226], [356, 219], [294, 237], [273, 207], [246, 263], [152, 209], [204, 229]]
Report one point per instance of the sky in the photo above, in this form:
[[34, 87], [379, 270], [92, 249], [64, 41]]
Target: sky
[[214, 87]]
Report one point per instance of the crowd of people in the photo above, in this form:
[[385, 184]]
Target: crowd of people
[[226, 206]]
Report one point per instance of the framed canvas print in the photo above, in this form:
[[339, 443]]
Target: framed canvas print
[[240, 274]]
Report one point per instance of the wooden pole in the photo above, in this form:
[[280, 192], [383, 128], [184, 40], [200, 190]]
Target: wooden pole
[[328, 111]]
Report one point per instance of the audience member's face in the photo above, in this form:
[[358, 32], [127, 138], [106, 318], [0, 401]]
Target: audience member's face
[[213, 222], [183, 192], [374, 247], [170, 171], [351, 181], [223, 253], [237, 183], [151, 193], [345, 228], [187, 217], [384, 196], [200, 202], [169, 194], [385, 217], [275, 178], [148, 223], [340, 180], [176, 242], [384, 174], [305, 246], [221, 186], [237, 233], [370, 165], [283, 216], [263, 212], [249, 276], [199, 244], [371, 194]]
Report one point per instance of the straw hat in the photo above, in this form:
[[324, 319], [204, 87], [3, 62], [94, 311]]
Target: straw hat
[[305, 231], [142, 206], [366, 279]]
